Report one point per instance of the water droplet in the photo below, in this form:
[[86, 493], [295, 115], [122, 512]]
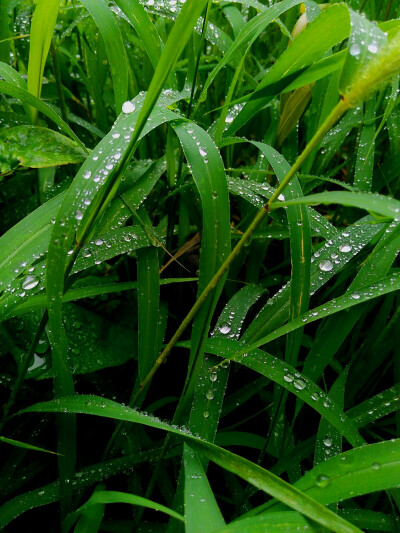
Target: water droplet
[[356, 295], [213, 376], [355, 50], [322, 480], [328, 442], [202, 152], [98, 242], [78, 215], [300, 384], [376, 466], [30, 282], [288, 377], [225, 330], [87, 174], [129, 107], [326, 266], [206, 414], [373, 48], [210, 394], [345, 248]]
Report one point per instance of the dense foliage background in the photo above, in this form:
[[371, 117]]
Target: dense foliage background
[[138, 141]]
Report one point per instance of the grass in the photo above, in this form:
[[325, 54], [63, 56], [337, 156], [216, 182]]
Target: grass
[[198, 266]]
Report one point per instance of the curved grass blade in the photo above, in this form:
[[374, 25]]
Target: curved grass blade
[[145, 29], [252, 473], [374, 203], [288, 377], [90, 517], [42, 27], [208, 399], [24, 445], [246, 38], [27, 98], [209, 175], [28, 239], [84, 478], [104, 497], [359, 471], [330, 28], [202, 513], [368, 292], [114, 45], [365, 40], [264, 480], [380, 405], [148, 282]]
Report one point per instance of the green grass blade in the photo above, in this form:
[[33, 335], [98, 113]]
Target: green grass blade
[[209, 175], [374, 203], [147, 31], [27, 98], [327, 30], [114, 45], [249, 471], [42, 27], [105, 497], [148, 280], [202, 513], [288, 377], [24, 445], [368, 292]]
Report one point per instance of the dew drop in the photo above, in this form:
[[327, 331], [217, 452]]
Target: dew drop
[[345, 248], [373, 48], [288, 377], [224, 330], [356, 295], [355, 50], [128, 106], [322, 480], [87, 174], [326, 266], [328, 442], [30, 282]]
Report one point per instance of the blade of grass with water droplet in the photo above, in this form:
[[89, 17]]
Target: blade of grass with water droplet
[[145, 29], [327, 30], [22, 94], [104, 497], [386, 285], [288, 377], [72, 226], [366, 148], [249, 471], [111, 34], [148, 280], [374, 203], [208, 173], [84, 478], [353, 239], [364, 42], [208, 399], [246, 38], [202, 513]]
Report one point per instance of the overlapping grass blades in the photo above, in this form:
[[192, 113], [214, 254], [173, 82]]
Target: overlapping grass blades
[[300, 370]]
